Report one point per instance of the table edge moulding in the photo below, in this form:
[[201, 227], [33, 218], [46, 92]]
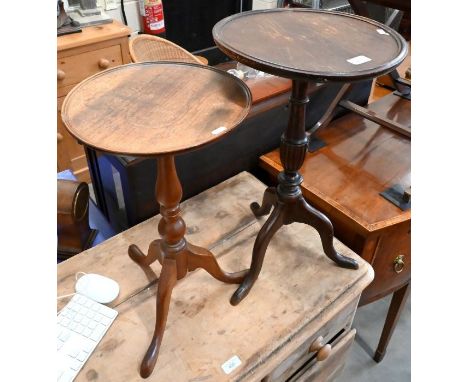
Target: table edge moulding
[[287, 201], [115, 104], [295, 73]]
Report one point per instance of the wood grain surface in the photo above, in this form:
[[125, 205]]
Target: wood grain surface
[[313, 44], [228, 202], [361, 160], [299, 291], [148, 109], [93, 34]]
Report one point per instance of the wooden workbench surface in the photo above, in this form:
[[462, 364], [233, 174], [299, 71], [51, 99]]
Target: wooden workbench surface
[[299, 288]]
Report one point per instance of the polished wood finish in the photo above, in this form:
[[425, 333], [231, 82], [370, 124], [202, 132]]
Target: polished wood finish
[[108, 110], [301, 44], [271, 339], [344, 179], [81, 55], [349, 180], [160, 109], [74, 234], [174, 253], [359, 7], [310, 44], [394, 79], [362, 111], [290, 206]]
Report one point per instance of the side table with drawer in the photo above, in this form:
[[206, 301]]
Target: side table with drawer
[[344, 180], [79, 56]]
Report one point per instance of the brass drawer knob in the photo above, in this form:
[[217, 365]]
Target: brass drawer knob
[[104, 63], [60, 75], [398, 263], [59, 137], [323, 351]]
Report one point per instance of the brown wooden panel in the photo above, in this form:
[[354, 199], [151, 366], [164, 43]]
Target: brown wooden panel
[[92, 35], [77, 68], [361, 160], [299, 43], [344, 180], [136, 109], [389, 245]]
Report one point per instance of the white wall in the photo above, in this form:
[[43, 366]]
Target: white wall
[[263, 4], [131, 11]]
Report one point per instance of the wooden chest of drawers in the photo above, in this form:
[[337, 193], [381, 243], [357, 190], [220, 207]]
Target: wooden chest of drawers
[[295, 325], [79, 56]]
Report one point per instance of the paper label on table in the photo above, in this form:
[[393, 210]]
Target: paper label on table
[[358, 60], [218, 130], [381, 31], [231, 364]]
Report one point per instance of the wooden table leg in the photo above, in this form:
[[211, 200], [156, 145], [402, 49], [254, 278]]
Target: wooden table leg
[[290, 205], [175, 254], [394, 311]]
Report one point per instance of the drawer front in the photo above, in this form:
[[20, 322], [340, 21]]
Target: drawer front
[[391, 261], [70, 154], [73, 69], [332, 330], [329, 369]]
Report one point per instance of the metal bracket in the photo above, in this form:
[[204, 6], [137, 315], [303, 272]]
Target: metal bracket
[[398, 196], [315, 144], [372, 116], [402, 95]]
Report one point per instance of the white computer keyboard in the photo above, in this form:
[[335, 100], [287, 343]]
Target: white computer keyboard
[[81, 324]]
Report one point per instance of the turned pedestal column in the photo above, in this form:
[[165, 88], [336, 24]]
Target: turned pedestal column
[[176, 255], [289, 204], [304, 45], [159, 110]]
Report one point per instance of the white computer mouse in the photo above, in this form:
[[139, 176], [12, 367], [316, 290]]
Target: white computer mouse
[[98, 288]]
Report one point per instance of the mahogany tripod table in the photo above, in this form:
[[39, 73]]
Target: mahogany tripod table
[[160, 110], [304, 45]]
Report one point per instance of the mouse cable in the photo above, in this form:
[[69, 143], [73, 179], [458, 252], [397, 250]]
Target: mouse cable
[[71, 294]]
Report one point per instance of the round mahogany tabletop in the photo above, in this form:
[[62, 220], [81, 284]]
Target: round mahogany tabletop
[[311, 44], [155, 108]]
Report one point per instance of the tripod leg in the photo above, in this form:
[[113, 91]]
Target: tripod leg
[[154, 253], [273, 223], [199, 257], [305, 213], [269, 199], [167, 281]]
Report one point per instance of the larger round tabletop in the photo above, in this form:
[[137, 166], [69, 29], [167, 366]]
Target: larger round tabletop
[[157, 108], [311, 44]]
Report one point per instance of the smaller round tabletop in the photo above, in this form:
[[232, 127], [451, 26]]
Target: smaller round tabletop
[[311, 44], [155, 108]]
